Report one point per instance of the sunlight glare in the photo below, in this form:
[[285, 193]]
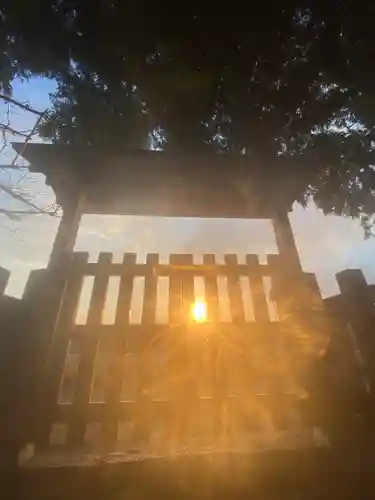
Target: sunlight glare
[[199, 311]]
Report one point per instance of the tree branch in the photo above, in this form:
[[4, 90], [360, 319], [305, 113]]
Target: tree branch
[[12, 167], [27, 212], [29, 136], [21, 105], [7, 128], [4, 128], [21, 198]]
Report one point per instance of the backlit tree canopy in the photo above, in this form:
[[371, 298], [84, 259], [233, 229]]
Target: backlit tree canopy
[[291, 84]]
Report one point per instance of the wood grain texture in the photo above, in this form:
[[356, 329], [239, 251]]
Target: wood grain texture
[[89, 350]]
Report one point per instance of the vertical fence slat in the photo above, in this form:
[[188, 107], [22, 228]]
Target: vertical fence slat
[[144, 407], [289, 290], [212, 300], [187, 286], [234, 289], [175, 306], [74, 278], [179, 359], [226, 358], [126, 289], [41, 344], [257, 288], [86, 368], [150, 291], [211, 290], [189, 384], [118, 348], [280, 289], [181, 289], [4, 278]]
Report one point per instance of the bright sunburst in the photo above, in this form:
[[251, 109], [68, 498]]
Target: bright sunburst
[[199, 311]]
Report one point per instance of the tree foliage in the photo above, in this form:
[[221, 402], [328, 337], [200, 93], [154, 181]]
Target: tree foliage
[[289, 84]]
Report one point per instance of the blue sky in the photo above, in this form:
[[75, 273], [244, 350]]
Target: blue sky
[[327, 244]]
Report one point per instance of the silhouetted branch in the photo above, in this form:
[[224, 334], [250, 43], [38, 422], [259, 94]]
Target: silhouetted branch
[[27, 212], [11, 167], [21, 198], [21, 105], [7, 128], [29, 136]]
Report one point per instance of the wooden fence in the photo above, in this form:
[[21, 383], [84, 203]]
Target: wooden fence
[[352, 339], [159, 385]]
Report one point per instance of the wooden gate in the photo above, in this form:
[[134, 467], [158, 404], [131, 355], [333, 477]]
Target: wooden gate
[[179, 385]]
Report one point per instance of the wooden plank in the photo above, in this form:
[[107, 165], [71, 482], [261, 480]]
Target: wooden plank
[[193, 346], [150, 291], [35, 285], [292, 290], [59, 345], [313, 297], [359, 311], [175, 294], [145, 361], [218, 382], [234, 289], [167, 270], [97, 412], [118, 347], [226, 359], [126, 288], [148, 185], [211, 290], [286, 243], [41, 343], [4, 278], [257, 288], [67, 230], [181, 296], [188, 296], [86, 369], [136, 333], [279, 288], [355, 291]]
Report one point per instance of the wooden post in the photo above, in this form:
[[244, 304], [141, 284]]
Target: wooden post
[[358, 312], [286, 243], [53, 283], [287, 273], [68, 229], [53, 288], [4, 278], [358, 305], [48, 298]]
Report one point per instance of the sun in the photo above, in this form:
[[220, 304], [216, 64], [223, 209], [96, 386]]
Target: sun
[[199, 311]]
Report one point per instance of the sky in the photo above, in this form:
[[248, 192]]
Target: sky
[[327, 244]]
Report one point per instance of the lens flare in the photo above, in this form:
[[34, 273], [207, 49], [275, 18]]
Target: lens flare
[[199, 311]]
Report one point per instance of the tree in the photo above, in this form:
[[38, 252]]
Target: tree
[[287, 85], [7, 130]]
